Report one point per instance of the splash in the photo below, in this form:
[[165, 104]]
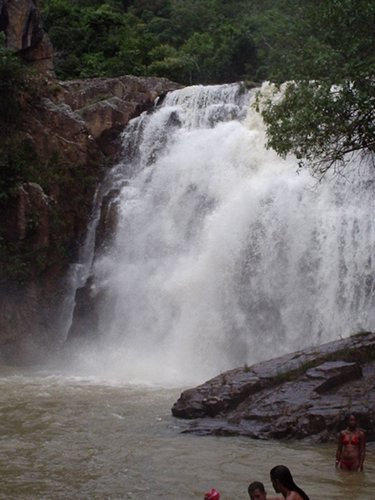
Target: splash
[[225, 254]]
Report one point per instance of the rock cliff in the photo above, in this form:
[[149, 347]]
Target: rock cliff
[[306, 394], [21, 22], [71, 132]]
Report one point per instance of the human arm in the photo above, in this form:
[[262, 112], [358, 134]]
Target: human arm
[[362, 449], [339, 449]]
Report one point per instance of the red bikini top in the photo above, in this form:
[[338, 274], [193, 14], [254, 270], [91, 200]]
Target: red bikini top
[[350, 439]]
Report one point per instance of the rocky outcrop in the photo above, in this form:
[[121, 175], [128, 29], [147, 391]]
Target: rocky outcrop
[[21, 22], [306, 394], [74, 129], [105, 104], [70, 133]]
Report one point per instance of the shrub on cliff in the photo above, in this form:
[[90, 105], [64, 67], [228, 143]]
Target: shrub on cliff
[[12, 82]]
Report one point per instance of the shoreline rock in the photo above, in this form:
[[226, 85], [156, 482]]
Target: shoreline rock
[[303, 395]]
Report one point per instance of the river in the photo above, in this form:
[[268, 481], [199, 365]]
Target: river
[[68, 436]]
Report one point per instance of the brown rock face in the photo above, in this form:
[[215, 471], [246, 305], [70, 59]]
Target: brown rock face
[[21, 22], [301, 395], [33, 203], [73, 130], [104, 105]]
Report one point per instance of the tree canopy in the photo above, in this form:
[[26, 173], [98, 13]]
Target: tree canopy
[[325, 51], [188, 41]]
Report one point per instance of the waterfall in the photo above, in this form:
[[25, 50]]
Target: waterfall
[[225, 254]]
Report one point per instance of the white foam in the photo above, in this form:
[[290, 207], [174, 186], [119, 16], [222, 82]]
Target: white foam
[[225, 254]]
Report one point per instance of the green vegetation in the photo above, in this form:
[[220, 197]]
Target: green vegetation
[[18, 161], [13, 76], [27, 257], [325, 50], [189, 41], [21, 260]]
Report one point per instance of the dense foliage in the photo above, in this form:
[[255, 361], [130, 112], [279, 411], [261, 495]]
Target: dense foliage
[[325, 49], [189, 41], [14, 80]]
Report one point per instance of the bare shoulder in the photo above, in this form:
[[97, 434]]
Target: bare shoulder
[[293, 495], [274, 498]]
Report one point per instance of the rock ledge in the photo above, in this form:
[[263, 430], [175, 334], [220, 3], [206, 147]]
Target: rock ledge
[[305, 394]]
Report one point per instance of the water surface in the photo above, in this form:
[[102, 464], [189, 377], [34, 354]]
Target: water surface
[[66, 437]]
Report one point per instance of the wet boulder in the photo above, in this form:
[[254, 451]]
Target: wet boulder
[[302, 395]]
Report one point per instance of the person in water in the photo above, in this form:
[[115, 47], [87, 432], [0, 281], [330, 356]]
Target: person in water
[[257, 491], [212, 495], [283, 483], [351, 446]]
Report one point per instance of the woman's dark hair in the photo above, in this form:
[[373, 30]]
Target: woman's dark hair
[[282, 473], [352, 414]]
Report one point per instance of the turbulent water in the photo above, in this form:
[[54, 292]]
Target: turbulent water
[[226, 254]]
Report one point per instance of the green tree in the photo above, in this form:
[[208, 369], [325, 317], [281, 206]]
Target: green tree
[[88, 37], [325, 50], [189, 41]]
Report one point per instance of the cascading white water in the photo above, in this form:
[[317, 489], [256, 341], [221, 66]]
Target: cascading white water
[[224, 253]]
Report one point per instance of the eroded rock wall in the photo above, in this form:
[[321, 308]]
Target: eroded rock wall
[[72, 130], [77, 127], [21, 22]]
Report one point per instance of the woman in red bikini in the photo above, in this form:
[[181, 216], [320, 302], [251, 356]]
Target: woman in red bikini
[[351, 446]]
